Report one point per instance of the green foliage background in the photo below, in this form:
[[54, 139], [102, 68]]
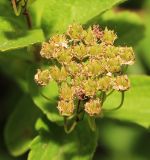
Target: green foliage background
[[30, 125]]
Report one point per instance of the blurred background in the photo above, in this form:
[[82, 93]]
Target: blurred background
[[118, 140]]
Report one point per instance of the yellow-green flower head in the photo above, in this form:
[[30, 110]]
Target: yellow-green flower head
[[78, 80], [104, 84], [64, 56], [86, 64], [121, 83], [80, 51], [93, 107], [89, 37], [74, 68], [113, 65], [111, 51], [75, 32], [90, 87], [127, 55], [48, 50], [59, 41], [66, 108], [66, 92], [58, 74], [42, 77], [97, 51], [52, 48], [108, 37], [94, 67]]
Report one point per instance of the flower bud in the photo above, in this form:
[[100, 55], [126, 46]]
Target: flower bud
[[89, 37], [113, 65], [97, 31], [75, 32], [64, 56], [127, 55], [79, 93], [42, 77], [121, 83], [59, 41], [78, 81], [48, 51], [94, 68], [66, 92], [108, 37], [66, 108], [80, 52], [96, 51], [111, 51], [57, 74], [93, 107], [74, 68], [90, 87], [104, 83]]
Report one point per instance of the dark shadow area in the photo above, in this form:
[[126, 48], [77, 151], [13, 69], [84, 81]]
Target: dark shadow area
[[15, 34], [144, 63], [142, 145], [9, 95], [122, 139], [133, 4]]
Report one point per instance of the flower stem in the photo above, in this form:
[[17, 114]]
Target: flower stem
[[92, 123], [119, 106], [71, 128]]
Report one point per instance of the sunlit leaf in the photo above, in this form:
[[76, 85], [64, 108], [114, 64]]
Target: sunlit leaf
[[54, 16], [136, 105], [13, 38]]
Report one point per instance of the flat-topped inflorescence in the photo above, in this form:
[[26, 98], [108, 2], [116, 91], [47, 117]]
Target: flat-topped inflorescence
[[87, 66]]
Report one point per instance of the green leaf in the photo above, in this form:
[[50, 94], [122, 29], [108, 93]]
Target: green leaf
[[12, 37], [136, 105], [15, 64], [55, 144], [45, 98], [144, 47], [56, 15], [126, 24], [19, 130]]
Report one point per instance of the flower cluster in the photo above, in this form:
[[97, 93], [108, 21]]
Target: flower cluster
[[86, 63]]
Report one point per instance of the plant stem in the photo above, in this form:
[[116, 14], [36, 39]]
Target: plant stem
[[28, 18], [76, 120], [16, 10], [69, 130], [103, 97], [92, 123], [118, 107], [110, 93], [78, 110]]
